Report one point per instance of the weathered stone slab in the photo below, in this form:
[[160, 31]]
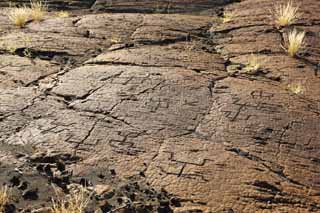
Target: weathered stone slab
[[160, 110]]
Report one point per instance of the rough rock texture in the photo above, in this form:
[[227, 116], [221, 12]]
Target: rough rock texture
[[155, 112], [57, 4], [145, 6]]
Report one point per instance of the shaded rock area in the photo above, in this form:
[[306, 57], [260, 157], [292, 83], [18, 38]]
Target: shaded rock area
[[134, 6], [148, 105]]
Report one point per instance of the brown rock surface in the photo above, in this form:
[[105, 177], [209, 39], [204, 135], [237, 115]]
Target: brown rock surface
[[154, 112]]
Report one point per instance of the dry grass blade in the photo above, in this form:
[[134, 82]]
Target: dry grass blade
[[38, 10], [63, 14], [75, 202], [295, 42], [296, 88], [4, 198], [253, 65], [285, 14], [19, 15], [227, 17]]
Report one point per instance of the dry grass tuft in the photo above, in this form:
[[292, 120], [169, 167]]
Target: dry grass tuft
[[19, 15], [296, 88], [63, 14], [227, 17], [38, 10], [285, 14], [253, 64], [4, 198], [295, 42], [75, 202]]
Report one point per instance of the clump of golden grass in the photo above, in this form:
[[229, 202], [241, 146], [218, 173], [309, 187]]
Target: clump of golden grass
[[285, 14], [38, 10], [295, 42], [4, 198], [63, 14], [227, 17], [75, 202], [19, 15], [296, 88], [253, 64]]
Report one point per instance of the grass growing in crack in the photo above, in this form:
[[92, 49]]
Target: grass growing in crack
[[19, 15], [253, 65], [296, 88], [224, 18], [115, 39], [75, 202], [27, 53], [38, 10], [12, 45], [10, 48], [227, 17], [295, 42], [4, 198], [63, 14], [285, 14]]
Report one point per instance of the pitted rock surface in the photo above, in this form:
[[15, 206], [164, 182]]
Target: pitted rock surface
[[155, 112]]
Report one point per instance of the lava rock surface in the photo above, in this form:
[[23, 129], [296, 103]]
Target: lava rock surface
[[146, 103]]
